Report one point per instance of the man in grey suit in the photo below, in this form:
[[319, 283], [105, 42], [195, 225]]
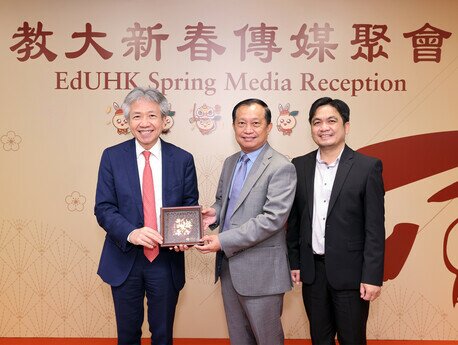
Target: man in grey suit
[[254, 197]]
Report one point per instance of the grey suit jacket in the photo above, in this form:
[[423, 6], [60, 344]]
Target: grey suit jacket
[[255, 243]]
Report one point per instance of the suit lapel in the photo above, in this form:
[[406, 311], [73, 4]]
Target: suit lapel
[[130, 163], [345, 164], [309, 168], [230, 170], [167, 168]]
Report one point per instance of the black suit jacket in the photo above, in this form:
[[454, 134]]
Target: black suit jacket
[[355, 231]]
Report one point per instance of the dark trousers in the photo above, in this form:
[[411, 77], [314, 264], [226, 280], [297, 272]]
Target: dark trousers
[[153, 279], [331, 311]]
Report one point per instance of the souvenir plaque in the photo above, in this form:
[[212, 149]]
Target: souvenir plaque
[[181, 225]]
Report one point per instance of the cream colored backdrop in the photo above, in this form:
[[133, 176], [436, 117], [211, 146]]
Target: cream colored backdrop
[[52, 137]]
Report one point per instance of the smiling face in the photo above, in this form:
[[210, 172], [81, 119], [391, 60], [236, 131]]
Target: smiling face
[[205, 124], [120, 122], [328, 128], [146, 122], [250, 127], [286, 121]]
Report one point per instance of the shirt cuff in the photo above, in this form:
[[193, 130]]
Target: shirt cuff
[[128, 236]]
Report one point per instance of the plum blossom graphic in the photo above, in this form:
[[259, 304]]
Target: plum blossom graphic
[[75, 201], [11, 141]]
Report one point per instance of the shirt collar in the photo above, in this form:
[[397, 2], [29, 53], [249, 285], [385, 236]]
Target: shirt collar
[[155, 150], [252, 155], [318, 158]]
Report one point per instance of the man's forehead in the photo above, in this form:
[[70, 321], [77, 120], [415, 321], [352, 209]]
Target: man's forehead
[[327, 114], [255, 115], [250, 108], [149, 106]]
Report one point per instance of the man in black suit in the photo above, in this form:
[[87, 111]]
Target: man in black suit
[[336, 231]]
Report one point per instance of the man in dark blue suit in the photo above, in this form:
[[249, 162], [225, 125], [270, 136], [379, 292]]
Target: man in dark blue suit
[[120, 212]]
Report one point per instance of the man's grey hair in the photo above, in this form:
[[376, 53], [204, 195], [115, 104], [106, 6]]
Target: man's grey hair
[[147, 94]]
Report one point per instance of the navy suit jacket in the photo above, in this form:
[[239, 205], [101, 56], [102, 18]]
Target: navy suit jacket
[[119, 207], [355, 230]]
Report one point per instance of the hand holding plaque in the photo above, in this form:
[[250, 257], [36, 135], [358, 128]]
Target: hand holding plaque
[[181, 225]]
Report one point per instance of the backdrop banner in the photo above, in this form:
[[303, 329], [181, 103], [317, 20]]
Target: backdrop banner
[[66, 67]]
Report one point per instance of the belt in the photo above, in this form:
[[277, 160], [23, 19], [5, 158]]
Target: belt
[[318, 257]]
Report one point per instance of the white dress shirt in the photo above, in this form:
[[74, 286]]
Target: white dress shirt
[[325, 175], [155, 161]]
